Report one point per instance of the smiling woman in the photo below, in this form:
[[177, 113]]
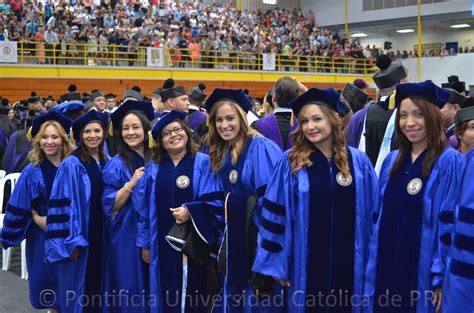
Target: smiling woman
[[75, 223], [131, 121], [171, 179], [417, 182]]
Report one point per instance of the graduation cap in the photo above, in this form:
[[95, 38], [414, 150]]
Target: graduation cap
[[463, 115], [68, 107], [235, 95], [356, 97], [90, 117], [390, 72], [145, 107], [34, 98], [327, 96], [5, 106], [197, 94], [425, 90], [170, 117], [50, 116], [455, 97], [71, 95], [110, 96], [360, 83], [172, 92], [96, 94], [133, 93]]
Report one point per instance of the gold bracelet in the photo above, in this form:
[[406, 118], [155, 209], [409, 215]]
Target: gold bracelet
[[127, 188]]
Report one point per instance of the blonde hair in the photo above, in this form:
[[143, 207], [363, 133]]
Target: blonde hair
[[303, 148], [218, 147], [36, 155]]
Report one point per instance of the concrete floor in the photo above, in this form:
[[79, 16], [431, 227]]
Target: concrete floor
[[14, 295]]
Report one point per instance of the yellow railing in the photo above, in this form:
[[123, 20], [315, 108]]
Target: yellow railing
[[117, 55]]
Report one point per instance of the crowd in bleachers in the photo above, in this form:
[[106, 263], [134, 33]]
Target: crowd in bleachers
[[189, 30]]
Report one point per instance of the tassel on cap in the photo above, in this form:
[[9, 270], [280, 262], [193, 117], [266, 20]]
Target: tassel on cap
[[292, 119], [111, 129], [391, 101], [151, 140], [28, 134]]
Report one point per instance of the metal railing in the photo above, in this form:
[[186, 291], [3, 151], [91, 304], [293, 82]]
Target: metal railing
[[119, 55]]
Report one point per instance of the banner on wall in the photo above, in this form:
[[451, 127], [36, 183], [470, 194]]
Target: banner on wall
[[269, 61], [155, 57], [8, 52]]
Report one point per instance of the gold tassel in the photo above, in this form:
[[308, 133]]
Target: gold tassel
[[207, 120], [71, 137], [28, 134], [151, 140], [292, 119], [391, 101], [111, 129]]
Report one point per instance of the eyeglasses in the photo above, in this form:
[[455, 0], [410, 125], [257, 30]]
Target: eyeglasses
[[167, 133]]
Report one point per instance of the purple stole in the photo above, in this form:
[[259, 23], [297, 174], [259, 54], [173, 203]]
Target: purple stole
[[268, 127], [195, 119], [356, 127]]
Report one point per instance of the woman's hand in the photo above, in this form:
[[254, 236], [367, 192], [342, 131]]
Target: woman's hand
[[136, 177], [39, 220], [181, 214], [283, 282], [438, 294], [75, 254], [146, 255]]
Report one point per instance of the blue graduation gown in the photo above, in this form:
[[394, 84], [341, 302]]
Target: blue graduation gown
[[459, 281], [284, 243], [32, 191], [128, 271], [75, 220], [250, 176], [154, 224], [439, 201]]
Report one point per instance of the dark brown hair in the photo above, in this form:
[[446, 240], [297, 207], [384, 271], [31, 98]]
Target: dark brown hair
[[159, 151], [436, 138], [85, 155]]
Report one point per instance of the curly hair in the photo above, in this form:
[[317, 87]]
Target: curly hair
[[303, 148], [218, 147], [36, 155], [159, 151]]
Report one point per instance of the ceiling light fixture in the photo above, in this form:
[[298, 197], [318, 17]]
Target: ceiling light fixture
[[405, 31], [356, 35], [460, 26]]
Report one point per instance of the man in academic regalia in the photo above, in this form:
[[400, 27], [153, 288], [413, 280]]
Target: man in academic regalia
[[196, 117], [175, 98], [97, 99], [449, 110], [111, 103], [278, 125], [357, 98], [371, 129]]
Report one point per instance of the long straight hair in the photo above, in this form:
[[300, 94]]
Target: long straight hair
[[84, 152], [124, 150], [303, 148], [436, 138]]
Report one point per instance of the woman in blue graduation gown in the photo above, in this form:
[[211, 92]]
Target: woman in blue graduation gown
[[415, 205], [128, 272], [317, 212], [459, 281], [27, 208], [75, 223], [241, 163], [171, 179]]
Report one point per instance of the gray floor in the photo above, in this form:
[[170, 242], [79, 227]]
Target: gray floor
[[14, 290]]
